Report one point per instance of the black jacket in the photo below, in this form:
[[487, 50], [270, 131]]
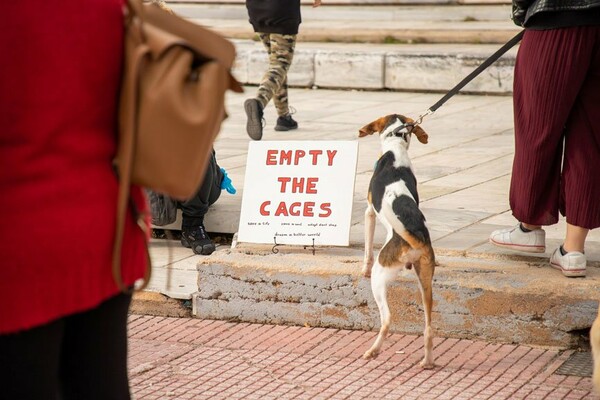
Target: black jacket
[[549, 14], [275, 16]]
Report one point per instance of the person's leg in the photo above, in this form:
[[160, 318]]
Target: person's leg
[[215, 189], [550, 69], [580, 184], [274, 82], [280, 49], [280, 99], [29, 363], [264, 93], [193, 233], [548, 74], [569, 257], [575, 238], [195, 208], [285, 45], [94, 354], [254, 106], [285, 122]]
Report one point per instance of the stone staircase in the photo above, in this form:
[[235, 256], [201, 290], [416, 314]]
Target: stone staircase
[[387, 46]]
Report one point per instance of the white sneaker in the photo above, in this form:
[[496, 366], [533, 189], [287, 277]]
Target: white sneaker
[[571, 264], [515, 239]]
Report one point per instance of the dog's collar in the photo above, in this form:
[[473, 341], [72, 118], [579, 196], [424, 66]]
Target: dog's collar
[[409, 128]]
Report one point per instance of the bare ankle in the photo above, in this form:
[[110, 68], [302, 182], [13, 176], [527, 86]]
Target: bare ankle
[[530, 227], [569, 248]]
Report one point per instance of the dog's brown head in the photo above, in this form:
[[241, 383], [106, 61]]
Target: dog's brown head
[[394, 122]]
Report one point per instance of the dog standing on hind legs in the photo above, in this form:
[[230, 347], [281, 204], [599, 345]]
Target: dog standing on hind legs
[[393, 198]]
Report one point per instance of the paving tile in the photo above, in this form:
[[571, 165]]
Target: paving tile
[[232, 369]]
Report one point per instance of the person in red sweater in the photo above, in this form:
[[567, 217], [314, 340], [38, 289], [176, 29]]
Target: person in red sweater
[[62, 318]]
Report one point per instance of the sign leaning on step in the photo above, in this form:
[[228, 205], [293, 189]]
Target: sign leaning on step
[[298, 192]]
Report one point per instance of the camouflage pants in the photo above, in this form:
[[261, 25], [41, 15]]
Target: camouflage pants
[[274, 83]]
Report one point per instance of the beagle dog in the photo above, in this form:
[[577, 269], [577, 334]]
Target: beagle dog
[[394, 199]]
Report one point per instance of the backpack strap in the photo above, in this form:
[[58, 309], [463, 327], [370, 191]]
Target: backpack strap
[[126, 144]]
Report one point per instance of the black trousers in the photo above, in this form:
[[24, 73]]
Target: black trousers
[[82, 356], [194, 209]]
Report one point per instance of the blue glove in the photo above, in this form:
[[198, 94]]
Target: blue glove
[[226, 183]]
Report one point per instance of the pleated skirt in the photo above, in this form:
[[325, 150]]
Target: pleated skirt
[[556, 166]]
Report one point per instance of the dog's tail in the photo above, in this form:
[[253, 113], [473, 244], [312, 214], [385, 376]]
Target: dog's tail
[[420, 243], [416, 240]]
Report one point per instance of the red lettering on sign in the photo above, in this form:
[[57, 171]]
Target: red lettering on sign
[[271, 157], [330, 155], [297, 185], [299, 154], [294, 209], [284, 180], [294, 157], [311, 185], [326, 208], [286, 156], [281, 210], [315, 155], [263, 209], [308, 209]]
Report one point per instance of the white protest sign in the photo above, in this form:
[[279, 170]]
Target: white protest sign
[[298, 191]]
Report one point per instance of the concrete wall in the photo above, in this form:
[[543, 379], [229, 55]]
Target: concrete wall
[[380, 69], [477, 299]]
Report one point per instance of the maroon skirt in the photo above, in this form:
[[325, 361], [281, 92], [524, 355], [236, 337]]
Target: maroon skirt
[[557, 127]]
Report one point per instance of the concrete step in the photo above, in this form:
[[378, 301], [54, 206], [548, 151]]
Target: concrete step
[[508, 300], [479, 295], [423, 67], [409, 47], [423, 23]]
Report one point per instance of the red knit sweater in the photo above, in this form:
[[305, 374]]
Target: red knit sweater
[[59, 81]]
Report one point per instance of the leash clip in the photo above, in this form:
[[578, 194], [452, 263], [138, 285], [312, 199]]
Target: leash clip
[[419, 120]]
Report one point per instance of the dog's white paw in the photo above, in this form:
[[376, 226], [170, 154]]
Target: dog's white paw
[[370, 354], [366, 270], [425, 364]]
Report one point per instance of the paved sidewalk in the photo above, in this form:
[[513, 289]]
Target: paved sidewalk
[[173, 358]]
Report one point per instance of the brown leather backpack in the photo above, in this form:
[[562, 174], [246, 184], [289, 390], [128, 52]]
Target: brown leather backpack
[[172, 100]]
